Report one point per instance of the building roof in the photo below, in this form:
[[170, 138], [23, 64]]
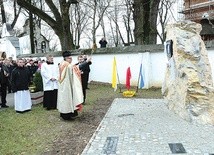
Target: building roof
[[7, 30]]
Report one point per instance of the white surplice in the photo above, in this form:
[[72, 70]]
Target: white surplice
[[49, 71], [70, 93], [22, 100]]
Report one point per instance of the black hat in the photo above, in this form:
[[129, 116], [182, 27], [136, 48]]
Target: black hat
[[66, 54]]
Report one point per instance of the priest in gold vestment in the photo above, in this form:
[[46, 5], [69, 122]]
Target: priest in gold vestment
[[70, 95]]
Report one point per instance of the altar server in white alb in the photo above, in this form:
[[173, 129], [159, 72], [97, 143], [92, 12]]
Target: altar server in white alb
[[20, 79], [50, 74]]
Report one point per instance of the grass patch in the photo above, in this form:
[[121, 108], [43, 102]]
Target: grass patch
[[35, 131], [25, 133]]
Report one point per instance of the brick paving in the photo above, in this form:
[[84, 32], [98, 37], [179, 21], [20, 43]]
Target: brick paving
[[147, 127]]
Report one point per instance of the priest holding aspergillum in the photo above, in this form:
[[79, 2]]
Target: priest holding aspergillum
[[70, 95]]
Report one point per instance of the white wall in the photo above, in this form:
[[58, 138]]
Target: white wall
[[24, 44], [158, 67], [7, 47], [154, 66]]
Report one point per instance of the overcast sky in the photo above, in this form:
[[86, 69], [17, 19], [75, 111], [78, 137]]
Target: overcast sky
[[84, 42]]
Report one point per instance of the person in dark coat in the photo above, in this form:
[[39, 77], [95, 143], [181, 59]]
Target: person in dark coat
[[103, 43], [83, 66], [86, 70], [32, 68], [10, 67], [4, 75], [20, 79]]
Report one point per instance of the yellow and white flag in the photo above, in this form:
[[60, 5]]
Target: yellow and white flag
[[114, 75]]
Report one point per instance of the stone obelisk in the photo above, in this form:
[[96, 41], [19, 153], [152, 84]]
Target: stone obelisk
[[188, 86]]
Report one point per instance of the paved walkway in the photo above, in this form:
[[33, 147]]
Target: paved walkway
[[147, 127]]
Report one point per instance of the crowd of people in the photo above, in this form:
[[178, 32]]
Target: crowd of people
[[64, 84], [7, 66]]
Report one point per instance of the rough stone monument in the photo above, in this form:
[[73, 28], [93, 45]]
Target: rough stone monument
[[188, 86]]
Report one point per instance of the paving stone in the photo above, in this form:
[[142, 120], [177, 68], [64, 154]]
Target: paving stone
[[146, 126]]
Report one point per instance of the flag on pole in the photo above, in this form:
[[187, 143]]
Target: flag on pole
[[128, 77], [114, 75], [141, 77]]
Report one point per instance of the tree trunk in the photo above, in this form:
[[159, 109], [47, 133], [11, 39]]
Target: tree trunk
[[16, 13], [32, 45], [138, 20], [60, 23], [153, 20], [66, 37], [65, 43], [31, 26], [145, 18], [3, 12], [94, 23]]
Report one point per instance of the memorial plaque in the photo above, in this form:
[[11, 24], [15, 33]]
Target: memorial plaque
[[110, 145], [122, 115], [177, 148], [169, 48]]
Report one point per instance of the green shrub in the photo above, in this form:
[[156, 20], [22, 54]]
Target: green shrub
[[37, 81]]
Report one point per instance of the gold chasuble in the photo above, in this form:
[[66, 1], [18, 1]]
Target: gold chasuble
[[70, 95]]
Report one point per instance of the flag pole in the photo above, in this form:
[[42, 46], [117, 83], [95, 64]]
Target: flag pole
[[118, 79], [138, 80], [94, 48]]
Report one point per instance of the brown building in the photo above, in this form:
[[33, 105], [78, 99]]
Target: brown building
[[201, 11]]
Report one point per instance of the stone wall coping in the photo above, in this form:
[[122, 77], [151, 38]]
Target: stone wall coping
[[113, 50]]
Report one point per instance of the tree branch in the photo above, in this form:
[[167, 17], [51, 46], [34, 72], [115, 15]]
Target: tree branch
[[54, 10], [38, 12], [16, 18]]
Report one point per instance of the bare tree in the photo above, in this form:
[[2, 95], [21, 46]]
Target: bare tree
[[102, 24], [112, 15], [98, 9], [127, 21], [117, 32], [3, 12], [114, 33], [145, 19], [51, 37], [121, 15], [16, 13], [165, 6], [58, 19], [79, 21]]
